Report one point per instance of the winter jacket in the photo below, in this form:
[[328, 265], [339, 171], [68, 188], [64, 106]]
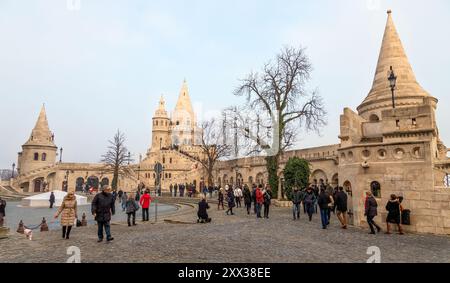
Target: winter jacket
[[145, 201], [230, 198], [52, 198], [247, 196], [259, 196], [341, 201], [267, 197], [202, 209], [2, 207], [393, 208], [68, 211], [309, 198], [371, 207], [131, 206], [103, 206], [323, 200], [296, 197]]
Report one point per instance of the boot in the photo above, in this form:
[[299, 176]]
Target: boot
[[64, 232]]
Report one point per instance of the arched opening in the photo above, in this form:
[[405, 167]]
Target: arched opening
[[105, 181], [239, 179], [348, 188], [219, 181], [225, 180], [79, 184], [318, 176], [374, 118], [260, 179], [250, 180], [44, 157], [36, 156], [37, 185], [335, 180], [375, 188], [93, 182]]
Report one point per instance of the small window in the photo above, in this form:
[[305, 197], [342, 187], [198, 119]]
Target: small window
[[170, 160], [414, 122], [44, 157], [397, 123], [375, 188], [178, 123], [154, 176], [447, 180], [374, 118], [36, 156], [156, 122], [164, 160]]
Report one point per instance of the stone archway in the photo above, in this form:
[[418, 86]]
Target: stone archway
[[318, 176], [93, 182], [335, 180], [38, 185], [79, 184], [250, 181], [260, 179]]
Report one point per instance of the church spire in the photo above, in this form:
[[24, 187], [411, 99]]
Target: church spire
[[184, 101], [393, 54], [41, 134]]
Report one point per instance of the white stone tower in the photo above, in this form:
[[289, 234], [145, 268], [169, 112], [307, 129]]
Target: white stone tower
[[160, 128]]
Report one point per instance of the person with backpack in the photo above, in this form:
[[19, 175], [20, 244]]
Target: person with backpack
[[267, 201], [247, 199], [371, 208], [394, 214], [131, 207], [341, 206], [309, 202]]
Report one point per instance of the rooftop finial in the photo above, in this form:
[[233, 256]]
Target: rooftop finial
[[389, 11]]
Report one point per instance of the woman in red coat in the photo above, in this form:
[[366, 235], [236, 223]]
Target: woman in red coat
[[259, 201], [145, 201]]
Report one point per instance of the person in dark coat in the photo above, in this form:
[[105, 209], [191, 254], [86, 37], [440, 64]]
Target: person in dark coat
[[2, 211], [371, 211], [102, 208], [247, 198], [254, 198], [171, 190], [267, 201], [119, 194], [220, 199], [309, 201], [324, 202], [341, 206], [296, 199], [52, 199], [230, 200], [131, 207], [202, 213], [138, 196], [175, 189], [393, 208]]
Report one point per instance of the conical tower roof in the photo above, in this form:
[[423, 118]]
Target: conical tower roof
[[41, 134], [184, 101], [407, 91]]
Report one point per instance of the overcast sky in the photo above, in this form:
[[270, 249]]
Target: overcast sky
[[104, 66]]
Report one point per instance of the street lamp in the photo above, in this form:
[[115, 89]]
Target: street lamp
[[12, 174], [392, 82], [129, 156], [60, 154], [66, 185]]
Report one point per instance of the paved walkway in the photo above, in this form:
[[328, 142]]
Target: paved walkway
[[231, 239]]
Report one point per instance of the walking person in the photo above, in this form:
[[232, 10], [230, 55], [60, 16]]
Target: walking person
[[341, 206], [145, 204], [230, 201], [68, 212], [238, 195], [309, 202], [137, 197], [2, 210], [131, 207], [124, 201], [120, 194], [221, 197], [296, 200], [175, 189], [254, 198], [324, 202], [394, 213], [102, 208], [171, 189], [247, 198], [259, 201], [267, 201], [371, 211], [52, 199]]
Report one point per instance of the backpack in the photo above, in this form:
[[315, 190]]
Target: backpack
[[267, 198], [406, 219]]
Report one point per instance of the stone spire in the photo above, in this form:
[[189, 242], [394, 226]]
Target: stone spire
[[41, 134], [184, 101], [161, 111], [408, 91]]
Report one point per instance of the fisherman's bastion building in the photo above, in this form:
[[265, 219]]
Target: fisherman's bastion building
[[383, 149]]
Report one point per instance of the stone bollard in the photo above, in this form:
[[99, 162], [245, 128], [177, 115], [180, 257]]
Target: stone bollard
[[44, 226], [83, 220], [21, 229]]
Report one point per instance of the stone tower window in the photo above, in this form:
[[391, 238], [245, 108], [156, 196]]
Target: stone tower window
[[397, 123], [382, 154], [375, 188], [374, 118], [416, 152], [44, 156], [36, 156], [366, 153], [447, 180], [156, 122], [414, 122], [350, 155]]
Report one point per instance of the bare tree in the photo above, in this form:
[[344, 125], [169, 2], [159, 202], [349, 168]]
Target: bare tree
[[117, 159], [214, 146], [278, 96]]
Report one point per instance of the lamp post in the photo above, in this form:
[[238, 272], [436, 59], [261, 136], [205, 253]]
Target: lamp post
[[392, 82], [60, 154], [12, 174], [129, 156]]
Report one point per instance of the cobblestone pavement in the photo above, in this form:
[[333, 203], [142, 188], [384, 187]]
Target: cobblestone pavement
[[231, 239]]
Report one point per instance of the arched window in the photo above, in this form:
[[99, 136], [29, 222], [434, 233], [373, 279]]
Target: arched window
[[156, 122], [375, 188], [44, 157], [170, 160], [374, 118], [36, 156]]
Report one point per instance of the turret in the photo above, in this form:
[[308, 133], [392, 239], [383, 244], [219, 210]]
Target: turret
[[160, 128]]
